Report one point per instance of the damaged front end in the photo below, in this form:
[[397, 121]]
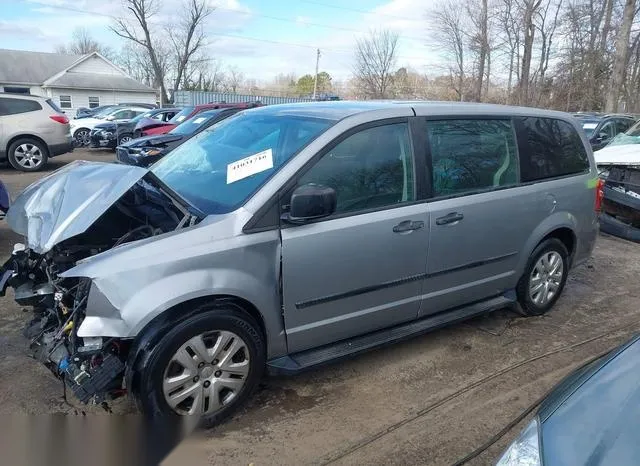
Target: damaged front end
[[621, 202], [75, 213]]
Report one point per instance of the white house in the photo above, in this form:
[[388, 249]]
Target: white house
[[71, 81]]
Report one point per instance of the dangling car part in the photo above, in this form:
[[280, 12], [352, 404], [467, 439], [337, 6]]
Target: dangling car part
[[621, 203], [77, 212]]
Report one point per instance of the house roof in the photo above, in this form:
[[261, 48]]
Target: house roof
[[57, 70], [71, 79], [22, 67]]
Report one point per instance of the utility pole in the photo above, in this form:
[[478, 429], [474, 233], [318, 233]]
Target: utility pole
[[315, 80]]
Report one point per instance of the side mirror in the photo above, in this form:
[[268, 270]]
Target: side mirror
[[311, 201]]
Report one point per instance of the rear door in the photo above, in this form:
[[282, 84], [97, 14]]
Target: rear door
[[362, 268], [480, 216]]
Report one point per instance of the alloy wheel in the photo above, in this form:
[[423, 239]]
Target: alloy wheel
[[81, 138], [206, 373], [28, 155], [545, 278]]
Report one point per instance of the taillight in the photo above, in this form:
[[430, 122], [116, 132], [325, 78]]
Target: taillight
[[599, 194], [60, 118]]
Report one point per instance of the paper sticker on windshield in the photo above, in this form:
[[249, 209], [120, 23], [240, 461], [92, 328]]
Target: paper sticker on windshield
[[590, 125], [248, 166], [199, 120], [180, 118]]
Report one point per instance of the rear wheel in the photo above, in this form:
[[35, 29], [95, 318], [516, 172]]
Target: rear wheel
[[205, 366], [28, 155], [544, 278]]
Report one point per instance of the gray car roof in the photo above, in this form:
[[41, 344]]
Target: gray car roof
[[22, 67], [337, 110]]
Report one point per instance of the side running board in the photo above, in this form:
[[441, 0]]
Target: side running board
[[315, 357]]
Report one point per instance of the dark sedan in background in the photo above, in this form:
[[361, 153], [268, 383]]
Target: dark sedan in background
[[591, 418], [149, 149], [5, 200], [110, 133], [601, 129]]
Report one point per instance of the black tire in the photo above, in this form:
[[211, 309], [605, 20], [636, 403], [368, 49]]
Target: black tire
[[81, 137], [529, 307], [125, 138], [150, 368], [20, 163]]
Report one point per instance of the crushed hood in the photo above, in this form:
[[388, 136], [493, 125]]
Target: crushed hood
[[68, 201], [627, 154]]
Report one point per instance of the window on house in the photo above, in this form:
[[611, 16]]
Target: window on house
[[65, 101], [94, 102], [17, 90]]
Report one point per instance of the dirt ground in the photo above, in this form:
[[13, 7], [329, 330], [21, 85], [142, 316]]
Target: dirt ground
[[430, 400]]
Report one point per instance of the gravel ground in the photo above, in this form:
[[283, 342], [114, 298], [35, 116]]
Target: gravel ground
[[430, 400]]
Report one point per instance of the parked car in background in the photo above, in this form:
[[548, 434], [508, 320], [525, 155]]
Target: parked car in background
[[32, 130], [84, 112], [190, 111], [149, 149], [81, 129], [5, 200], [111, 133], [255, 245], [601, 129], [159, 119], [591, 418]]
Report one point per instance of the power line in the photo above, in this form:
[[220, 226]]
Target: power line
[[356, 10], [234, 36], [289, 20]]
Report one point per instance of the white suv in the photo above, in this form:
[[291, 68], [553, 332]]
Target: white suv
[[81, 128], [32, 129]]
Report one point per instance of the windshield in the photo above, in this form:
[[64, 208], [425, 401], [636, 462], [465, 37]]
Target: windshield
[[181, 115], [589, 127], [631, 136], [192, 124], [218, 169], [141, 116]]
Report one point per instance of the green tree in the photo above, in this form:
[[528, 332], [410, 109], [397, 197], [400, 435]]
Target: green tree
[[304, 86]]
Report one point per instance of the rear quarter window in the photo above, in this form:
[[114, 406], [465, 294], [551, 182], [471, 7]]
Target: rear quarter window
[[551, 148], [16, 106]]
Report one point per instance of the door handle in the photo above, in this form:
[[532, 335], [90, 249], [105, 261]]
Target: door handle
[[449, 218], [407, 226]]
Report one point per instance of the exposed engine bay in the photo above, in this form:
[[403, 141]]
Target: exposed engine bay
[[93, 368]]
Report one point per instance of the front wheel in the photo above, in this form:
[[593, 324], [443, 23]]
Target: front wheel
[[125, 138], [81, 137], [205, 366], [544, 277]]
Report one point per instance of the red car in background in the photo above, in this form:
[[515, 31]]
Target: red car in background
[[188, 112]]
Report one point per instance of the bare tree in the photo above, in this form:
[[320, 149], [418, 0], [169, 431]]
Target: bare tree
[[620, 57], [510, 37], [449, 31], [374, 61], [138, 30], [187, 37], [529, 9], [235, 79], [83, 43], [478, 12]]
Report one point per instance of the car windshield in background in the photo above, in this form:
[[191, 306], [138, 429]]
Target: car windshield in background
[[141, 116], [191, 125], [105, 112], [631, 136], [218, 169], [181, 115], [589, 127]]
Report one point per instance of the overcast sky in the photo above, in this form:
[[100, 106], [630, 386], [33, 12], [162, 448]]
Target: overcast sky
[[239, 31]]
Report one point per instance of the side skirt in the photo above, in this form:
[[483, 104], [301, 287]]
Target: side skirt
[[304, 360]]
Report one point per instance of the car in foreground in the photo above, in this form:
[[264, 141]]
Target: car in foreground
[[256, 245], [602, 129], [591, 417], [191, 111], [145, 151], [111, 133], [32, 130], [81, 129]]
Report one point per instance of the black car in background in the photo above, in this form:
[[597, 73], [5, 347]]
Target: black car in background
[[591, 418], [601, 128], [5, 200], [147, 150], [111, 133]]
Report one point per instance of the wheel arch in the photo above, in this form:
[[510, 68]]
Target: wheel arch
[[17, 137]]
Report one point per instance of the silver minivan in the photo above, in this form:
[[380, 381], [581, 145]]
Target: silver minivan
[[289, 236]]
